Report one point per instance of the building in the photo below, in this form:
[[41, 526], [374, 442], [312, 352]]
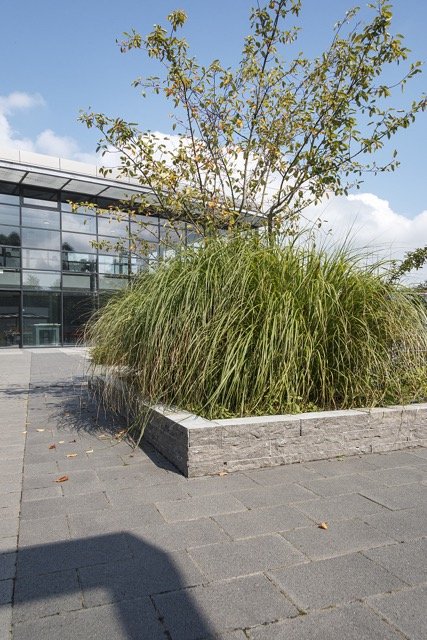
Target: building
[[52, 278]]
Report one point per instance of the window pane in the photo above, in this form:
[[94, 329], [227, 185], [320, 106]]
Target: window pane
[[9, 214], [9, 319], [78, 308], [112, 282], [78, 262], [9, 278], [78, 242], [41, 319], [79, 281], [9, 199], [41, 239], [41, 280], [10, 257], [40, 218], [10, 236], [149, 232], [113, 245], [112, 227], [113, 264], [74, 222], [39, 259]]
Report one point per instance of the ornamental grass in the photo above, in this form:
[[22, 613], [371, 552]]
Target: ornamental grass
[[243, 327]]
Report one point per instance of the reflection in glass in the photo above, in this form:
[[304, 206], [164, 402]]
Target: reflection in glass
[[41, 319], [112, 282], [114, 264], [7, 198], [9, 279], [41, 280], [41, 259], [75, 222], [9, 214], [78, 262], [41, 239], [79, 281], [9, 319], [149, 232], [40, 218], [10, 236], [78, 242], [78, 308], [112, 227], [10, 257]]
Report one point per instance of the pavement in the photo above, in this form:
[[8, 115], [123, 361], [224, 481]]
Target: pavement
[[124, 547]]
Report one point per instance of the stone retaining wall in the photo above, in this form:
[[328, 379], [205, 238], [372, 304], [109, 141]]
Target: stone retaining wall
[[200, 447]]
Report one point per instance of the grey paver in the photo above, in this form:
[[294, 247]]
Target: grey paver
[[45, 595], [399, 497], [407, 560], [352, 622], [282, 474], [398, 475], [50, 507], [43, 531], [407, 524], [339, 485], [242, 557], [341, 466], [239, 603], [180, 535], [113, 520], [343, 507], [219, 484], [275, 495], [406, 610], [340, 538], [6, 590], [199, 507], [259, 521], [136, 619], [335, 581], [7, 565]]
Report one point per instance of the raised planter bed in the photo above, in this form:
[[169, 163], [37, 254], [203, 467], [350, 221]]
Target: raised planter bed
[[198, 447]]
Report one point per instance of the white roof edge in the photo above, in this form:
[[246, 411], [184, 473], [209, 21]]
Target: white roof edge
[[40, 163]]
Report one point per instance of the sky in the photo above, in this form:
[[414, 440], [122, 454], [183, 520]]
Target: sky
[[61, 57]]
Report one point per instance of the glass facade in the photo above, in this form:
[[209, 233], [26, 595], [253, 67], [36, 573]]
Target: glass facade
[[58, 266]]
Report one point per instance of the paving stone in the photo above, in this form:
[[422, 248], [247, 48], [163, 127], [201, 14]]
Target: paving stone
[[343, 507], [8, 544], [405, 610], [43, 531], [407, 524], [6, 622], [114, 520], [398, 475], [53, 491], [6, 591], [352, 622], [242, 557], [403, 496], [340, 466], [146, 495], [45, 595], [152, 571], [219, 484], [327, 583], [9, 527], [259, 521], [339, 485], [409, 457], [199, 507], [179, 535], [136, 619], [407, 560], [71, 554], [203, 611], [50, 507], [275, 495], [341, 537], [284, 474], [7, 565]]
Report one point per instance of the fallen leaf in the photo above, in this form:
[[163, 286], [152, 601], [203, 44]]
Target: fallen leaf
[[89, 451], [39, 430], [71, 455], [61, 442], [323, 525], [52, 446], [62, 479], [223, 473]]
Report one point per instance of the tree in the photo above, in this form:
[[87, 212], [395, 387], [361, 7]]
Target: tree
[[268, 137]]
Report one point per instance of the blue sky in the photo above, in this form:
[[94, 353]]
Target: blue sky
[[63, 56]]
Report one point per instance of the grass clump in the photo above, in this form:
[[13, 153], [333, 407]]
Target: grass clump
[[239, 327]]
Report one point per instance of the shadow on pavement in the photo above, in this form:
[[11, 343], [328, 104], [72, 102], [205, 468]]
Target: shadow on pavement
[[60, 588]]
